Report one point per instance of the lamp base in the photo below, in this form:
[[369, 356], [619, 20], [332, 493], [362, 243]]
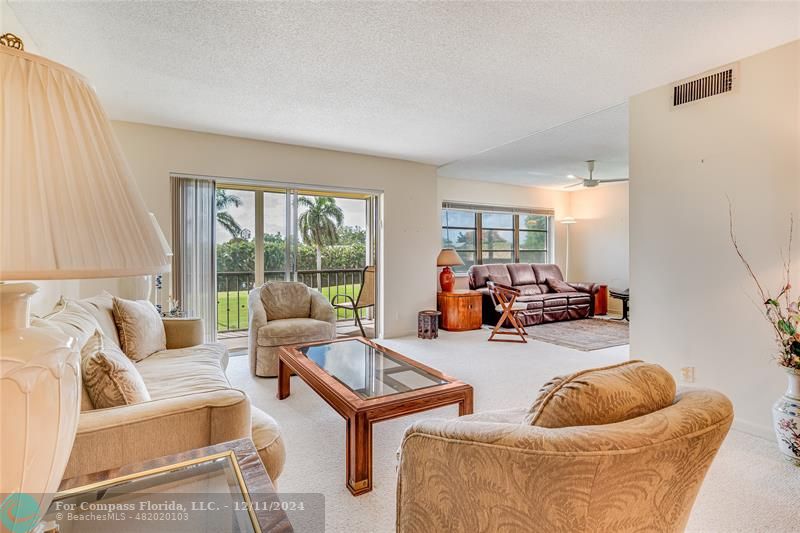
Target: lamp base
[[447, 279], [40, 395]]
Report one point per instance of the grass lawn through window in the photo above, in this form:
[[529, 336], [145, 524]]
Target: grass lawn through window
[[232, 306]]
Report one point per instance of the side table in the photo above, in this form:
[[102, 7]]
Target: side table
[[601, 301], [461, 310], [223, 487]]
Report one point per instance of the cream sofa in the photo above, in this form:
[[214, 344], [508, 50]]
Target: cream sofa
[[281, 313], [511, 471], [192, 402]]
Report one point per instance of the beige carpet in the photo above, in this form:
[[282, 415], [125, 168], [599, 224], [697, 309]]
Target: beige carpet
[[748, 489], [585, 335]]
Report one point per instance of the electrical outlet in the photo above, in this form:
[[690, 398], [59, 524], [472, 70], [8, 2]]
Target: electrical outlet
[[687, 374]]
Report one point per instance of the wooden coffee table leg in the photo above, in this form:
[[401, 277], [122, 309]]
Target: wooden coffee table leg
[[283, 380], [359, 454], [465, 405]]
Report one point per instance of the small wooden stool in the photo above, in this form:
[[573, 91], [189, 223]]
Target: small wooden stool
[[428, 324], [505, 298]]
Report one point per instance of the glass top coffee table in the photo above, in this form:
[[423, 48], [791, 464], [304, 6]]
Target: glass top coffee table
[[222, 488], [366, 383]]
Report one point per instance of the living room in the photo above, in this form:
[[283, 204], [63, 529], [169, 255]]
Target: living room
[[607, 177]]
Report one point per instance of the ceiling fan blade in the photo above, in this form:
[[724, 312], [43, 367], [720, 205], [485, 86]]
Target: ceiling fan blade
[[574, 185], [614, 181]]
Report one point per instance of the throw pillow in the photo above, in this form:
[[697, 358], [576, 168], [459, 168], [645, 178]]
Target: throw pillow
[[141, 331], [101, 307], [109, 377], [557, 285], [602, 395], [71, 319]]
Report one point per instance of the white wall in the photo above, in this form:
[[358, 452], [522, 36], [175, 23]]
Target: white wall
[[10, 24], [598, 242], [478, 192], [693, 304], [410, 213]]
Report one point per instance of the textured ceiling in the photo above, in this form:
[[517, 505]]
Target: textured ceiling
[[546, 158], [431, 82]]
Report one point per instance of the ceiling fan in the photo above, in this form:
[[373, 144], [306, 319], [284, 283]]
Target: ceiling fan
[[590, 181]]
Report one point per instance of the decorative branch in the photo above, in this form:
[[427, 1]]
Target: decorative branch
[[784, 319], [761, 292]]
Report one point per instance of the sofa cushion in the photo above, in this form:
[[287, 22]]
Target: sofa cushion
[[547, 271], [109, 377], [101, 307], [141, 332], [602, 395], [531, 302], [294, 330], [550, 300], [521, 274], [71, 319], [557, 285], [171, 373], [286, 299], [528, 290], [576, 297]]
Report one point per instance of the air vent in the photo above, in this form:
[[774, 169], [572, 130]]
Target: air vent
[[710, 85]]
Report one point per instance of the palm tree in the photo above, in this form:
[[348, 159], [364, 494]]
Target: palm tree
[[318, 225], [224, 200]]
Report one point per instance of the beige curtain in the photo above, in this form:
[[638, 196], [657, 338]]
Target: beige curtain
[[194, 242]]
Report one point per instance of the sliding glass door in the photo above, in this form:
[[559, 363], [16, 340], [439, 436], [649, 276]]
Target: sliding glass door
[[324, 239]]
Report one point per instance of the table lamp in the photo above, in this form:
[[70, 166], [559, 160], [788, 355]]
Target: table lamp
[[448, 257], [69, 209]]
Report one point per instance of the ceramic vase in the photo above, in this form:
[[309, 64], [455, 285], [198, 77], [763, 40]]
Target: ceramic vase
[[40, 395], [786, 418]]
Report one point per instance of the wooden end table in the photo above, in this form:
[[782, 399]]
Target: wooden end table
[[366, 383], [461, 310]]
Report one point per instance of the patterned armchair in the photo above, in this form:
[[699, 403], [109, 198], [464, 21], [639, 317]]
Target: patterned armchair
[[281, 313], [638, 467]]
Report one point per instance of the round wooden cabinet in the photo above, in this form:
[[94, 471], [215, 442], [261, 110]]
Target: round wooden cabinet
[[461, 310]]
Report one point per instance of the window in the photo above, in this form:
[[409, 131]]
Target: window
[[459, 230], [484, 235]]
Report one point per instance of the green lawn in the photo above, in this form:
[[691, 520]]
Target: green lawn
[[232, 306]]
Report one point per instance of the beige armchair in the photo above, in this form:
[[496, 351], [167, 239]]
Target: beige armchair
[[504, 471], [281, 313]]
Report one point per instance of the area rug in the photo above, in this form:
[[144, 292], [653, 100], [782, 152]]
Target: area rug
[[585, 335]]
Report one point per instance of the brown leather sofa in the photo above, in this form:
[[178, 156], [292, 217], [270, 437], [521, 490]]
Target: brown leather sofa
[[543, 303]]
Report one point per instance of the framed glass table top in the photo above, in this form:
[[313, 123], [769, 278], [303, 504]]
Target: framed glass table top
[[369, 370], [202, 494]]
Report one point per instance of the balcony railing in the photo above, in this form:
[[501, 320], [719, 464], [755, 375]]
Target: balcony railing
[[233, 288]]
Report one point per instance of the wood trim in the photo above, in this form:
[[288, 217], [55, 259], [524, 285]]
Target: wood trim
[[360, 413]]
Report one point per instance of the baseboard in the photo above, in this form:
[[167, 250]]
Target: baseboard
[[751, 428]]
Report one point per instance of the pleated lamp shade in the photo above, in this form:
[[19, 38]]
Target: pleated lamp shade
[[69, 208]]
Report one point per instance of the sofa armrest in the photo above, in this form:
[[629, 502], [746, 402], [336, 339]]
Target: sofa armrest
[[257, 315], [321, 308], [110, 438], [183, 332], [587, 287]]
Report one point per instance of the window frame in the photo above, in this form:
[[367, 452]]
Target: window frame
[[517, 232], [475, 228]]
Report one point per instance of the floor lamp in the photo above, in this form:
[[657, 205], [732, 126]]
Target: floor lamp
[[69, 209], [567, 221]]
